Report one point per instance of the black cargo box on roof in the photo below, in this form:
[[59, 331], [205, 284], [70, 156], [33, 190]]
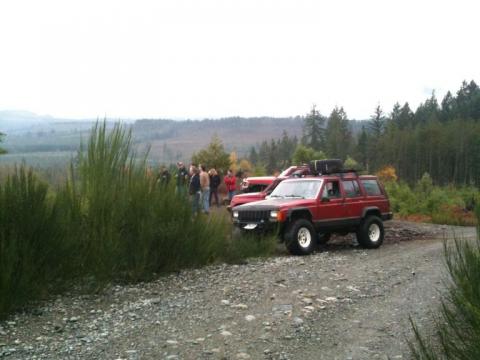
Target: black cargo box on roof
[[325, 167]]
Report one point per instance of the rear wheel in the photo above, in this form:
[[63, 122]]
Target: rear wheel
[[300, 237], [371, 233]]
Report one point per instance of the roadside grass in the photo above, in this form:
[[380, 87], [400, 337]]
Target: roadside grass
[[457, 324], [243, 246], [240, 245]]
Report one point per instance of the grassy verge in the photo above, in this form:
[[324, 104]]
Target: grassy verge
[[428, 203], [457, 326]]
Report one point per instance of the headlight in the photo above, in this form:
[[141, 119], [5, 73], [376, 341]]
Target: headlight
[[235, 214], [277, 215]]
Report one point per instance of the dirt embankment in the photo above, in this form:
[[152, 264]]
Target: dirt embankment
[[343, 303]]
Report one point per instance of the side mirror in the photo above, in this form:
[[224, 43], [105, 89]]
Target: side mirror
[[267, 197], [325, 199]]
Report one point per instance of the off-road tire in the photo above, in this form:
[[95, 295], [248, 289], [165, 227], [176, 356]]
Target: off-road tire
[[323, 238], [371, 233], [300, 237]]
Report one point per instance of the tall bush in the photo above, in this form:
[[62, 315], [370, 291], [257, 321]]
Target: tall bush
[[32, 253], [111, 220], [127, 224]]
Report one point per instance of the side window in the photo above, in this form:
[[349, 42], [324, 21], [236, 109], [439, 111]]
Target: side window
[[351, 188], [331, 190], [371, 187]]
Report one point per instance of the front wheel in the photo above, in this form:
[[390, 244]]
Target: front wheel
[[371, 233], [300, 237]]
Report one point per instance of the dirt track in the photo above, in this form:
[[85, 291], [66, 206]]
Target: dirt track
[[343, 303]]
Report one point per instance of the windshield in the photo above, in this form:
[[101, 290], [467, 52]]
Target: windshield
[[297, 189]]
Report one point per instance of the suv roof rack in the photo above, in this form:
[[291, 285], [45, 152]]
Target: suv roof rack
[[343, 172]]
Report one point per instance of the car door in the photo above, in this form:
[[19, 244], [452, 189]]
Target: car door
[[353, 201], [331, 208]]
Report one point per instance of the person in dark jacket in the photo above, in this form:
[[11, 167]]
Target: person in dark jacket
[[182, 178], [195, 190], [214, 184]]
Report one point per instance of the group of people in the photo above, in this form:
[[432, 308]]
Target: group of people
[[203, 185]]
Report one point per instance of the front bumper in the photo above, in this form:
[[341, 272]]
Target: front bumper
[[257, 226]]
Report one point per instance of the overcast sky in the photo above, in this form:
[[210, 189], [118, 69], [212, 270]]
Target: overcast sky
[[217, 58]]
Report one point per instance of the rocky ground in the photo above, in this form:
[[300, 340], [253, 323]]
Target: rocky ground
[[342, 303]]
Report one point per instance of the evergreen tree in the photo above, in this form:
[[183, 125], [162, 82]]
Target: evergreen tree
[[263, 152], [272, 158], [376, 127], [338, 134], [448, 108], [253, 156], [362, 148], [314, 130], [406, 117], [377, 123], [395, 114], [428, 111]]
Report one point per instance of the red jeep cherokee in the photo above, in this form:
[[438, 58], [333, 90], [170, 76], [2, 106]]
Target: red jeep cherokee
[[306, 210]]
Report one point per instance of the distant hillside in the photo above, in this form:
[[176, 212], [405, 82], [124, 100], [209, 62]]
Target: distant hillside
[[47, 140], [177, 140]]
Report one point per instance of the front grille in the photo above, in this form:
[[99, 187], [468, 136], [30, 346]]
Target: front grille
[[253, 215]]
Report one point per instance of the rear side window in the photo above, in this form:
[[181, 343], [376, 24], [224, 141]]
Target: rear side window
[[351, 188], [371, 187]]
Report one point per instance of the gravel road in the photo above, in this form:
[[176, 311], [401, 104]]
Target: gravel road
[[342, 303]]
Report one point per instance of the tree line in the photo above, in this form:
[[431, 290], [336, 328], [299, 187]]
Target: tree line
[[440, 138]]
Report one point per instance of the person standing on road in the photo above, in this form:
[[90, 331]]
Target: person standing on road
[[195, 190], [231, 183], [214, 184], [205, 186], [182, 179]]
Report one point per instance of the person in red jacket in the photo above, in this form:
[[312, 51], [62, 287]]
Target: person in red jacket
[[231, 183]]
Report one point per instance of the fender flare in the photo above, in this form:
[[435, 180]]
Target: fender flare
[[370, 208], [291, 211]]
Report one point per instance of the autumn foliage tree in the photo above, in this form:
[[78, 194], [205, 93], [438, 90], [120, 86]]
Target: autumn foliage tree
[[387, 174]]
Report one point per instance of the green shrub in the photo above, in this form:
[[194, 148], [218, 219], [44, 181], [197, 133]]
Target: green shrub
[[32, 253], [124, 222], [402, 199], [424, 185], [457, 328], [441, 205], [111, 220]]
